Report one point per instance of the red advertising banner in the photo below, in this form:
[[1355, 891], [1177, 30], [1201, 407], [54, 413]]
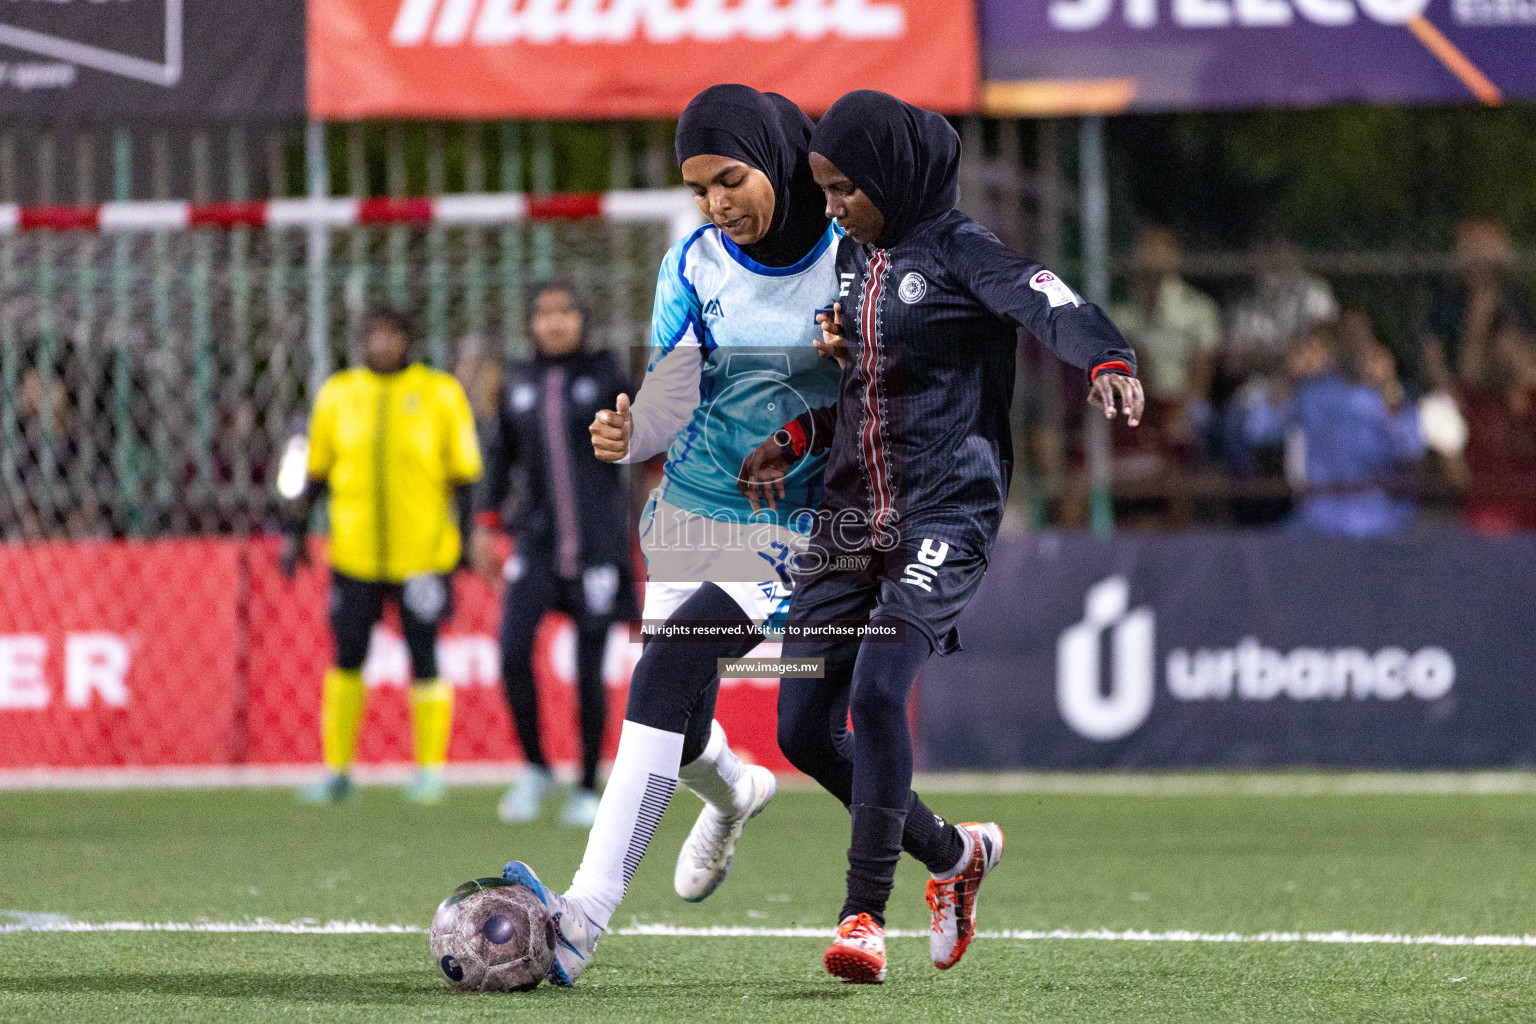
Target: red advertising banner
[[120, 654], [629, 58], [200, 653], [290, 647]]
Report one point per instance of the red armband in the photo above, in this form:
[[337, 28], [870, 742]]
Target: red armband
[[797, 439], [1113, 366], [490, 519]]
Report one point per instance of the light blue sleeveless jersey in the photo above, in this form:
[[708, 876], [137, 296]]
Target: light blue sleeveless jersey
[[732, 360]]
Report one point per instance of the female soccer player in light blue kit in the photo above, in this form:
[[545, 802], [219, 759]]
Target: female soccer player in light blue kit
[[733, 356]]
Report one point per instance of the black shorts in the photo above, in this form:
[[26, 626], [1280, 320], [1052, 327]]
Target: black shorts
[[425, 602], [926, 584]]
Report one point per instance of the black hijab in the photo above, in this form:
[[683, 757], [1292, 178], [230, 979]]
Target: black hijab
[[766, 131], [905, 158]]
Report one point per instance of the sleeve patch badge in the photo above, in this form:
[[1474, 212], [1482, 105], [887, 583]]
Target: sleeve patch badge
[[1054, 289]]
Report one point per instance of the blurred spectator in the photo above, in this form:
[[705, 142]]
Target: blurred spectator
[[233, 498], [1467, 317], [478, 370], [1174, 329], [1500, 458], [57, 486], [1286, 300], [1351, 434]]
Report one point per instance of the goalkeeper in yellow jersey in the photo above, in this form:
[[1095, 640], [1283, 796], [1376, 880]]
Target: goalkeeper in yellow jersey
[[393, 446]]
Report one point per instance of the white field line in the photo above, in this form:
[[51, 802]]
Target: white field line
[[24, 921], [1086, 783]]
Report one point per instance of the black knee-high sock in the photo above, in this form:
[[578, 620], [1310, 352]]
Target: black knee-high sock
[[930, 838], [882, 765], [591, 645], [814, 738], [872, 859]]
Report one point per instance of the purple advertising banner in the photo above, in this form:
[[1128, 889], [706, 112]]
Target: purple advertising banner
[[1061, 57]]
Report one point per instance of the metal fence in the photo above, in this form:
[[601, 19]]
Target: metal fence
[[147, 378]]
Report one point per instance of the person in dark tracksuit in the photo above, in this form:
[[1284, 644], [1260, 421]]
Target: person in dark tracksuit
[[917, 474], [571, 531]]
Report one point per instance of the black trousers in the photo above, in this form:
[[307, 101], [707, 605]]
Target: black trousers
[[674, 686], [536, 590]]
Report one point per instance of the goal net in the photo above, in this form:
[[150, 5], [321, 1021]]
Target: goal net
[[154, 359]]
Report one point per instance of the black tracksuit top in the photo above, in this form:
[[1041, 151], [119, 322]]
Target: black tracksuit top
[[518, 449], [921, 421]]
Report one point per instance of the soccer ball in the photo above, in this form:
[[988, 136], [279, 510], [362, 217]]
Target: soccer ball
[[492, 936]]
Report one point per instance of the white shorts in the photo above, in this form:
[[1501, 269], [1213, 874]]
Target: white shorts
[[684, 550]]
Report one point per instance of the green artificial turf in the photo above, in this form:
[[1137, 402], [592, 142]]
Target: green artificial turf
[[1416, 865]]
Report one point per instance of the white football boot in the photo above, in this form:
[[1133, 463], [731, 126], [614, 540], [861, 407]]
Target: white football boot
[[575, 935], [952, 897], [706, 856]]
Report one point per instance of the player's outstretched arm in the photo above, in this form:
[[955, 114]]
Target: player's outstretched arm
[[1021, 291], [761, 480], [669, 394]]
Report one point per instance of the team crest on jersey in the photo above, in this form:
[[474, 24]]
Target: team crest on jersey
[[413, 403], [523, 397], [913, 287], [712, 308], [584, 390]]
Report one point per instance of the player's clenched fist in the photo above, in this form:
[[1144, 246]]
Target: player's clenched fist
[[610, 431], [832, 344]]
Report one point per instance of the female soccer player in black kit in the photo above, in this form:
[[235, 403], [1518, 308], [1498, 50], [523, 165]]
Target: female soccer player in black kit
[[571, 530], [919, 465]]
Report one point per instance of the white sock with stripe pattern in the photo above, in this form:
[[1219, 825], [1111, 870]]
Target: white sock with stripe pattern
[[638, 791]]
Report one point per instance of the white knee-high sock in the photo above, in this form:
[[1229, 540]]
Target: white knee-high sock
[[639, 789], [713, 775]]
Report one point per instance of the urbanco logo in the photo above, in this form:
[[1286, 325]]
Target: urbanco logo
[[1091, 712], [1247, 671]]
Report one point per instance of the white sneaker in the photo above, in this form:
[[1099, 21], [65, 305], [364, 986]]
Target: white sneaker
[[575, 935], [580, 809], [952, 899], [522, 802], [705, 858]]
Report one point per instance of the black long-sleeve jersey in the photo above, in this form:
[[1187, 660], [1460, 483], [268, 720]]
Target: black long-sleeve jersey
[[919, 437], [569, 501]]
